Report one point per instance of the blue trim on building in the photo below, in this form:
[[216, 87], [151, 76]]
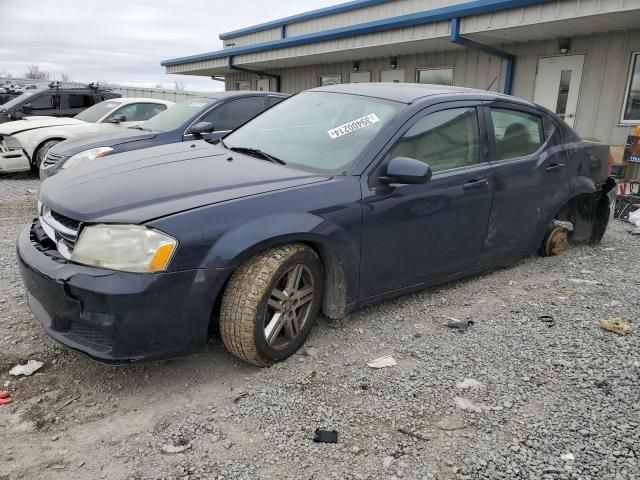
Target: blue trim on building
[[477, 7], [301, 17], [465, 42], [283, 31]]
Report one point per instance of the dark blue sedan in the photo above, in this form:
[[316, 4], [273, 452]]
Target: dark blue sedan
[[333, 199], [206, 118]]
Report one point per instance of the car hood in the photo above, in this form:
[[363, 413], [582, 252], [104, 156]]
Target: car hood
[[31, 123], [110, 139], [142, 185]]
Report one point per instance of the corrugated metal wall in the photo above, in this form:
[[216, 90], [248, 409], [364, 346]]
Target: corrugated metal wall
[[607, 64]]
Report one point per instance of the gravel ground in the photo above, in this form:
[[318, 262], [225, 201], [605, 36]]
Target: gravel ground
[[512, 397]]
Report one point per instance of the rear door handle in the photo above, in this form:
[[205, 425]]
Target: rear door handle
[[555, 167], [481, 183]]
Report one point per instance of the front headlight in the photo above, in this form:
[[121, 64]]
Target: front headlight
[[87, 156], [130, 248]]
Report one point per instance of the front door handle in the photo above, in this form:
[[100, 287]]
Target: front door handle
[[555, 167], [481, 183]]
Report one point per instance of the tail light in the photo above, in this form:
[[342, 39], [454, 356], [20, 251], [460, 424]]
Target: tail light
[[610, 163]]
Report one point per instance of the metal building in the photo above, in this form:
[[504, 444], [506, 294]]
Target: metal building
[[580, 58]]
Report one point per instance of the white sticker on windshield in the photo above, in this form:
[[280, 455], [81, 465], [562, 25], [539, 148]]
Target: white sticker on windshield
[[197, 104], [353, 125]]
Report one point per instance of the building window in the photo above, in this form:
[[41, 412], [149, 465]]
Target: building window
[[244, 85], [631, 112], [324, 80], [435, 76]]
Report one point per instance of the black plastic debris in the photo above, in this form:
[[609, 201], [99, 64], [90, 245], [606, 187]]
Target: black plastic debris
[[605, 386], [325, 436], [460, 325], [548, 320]]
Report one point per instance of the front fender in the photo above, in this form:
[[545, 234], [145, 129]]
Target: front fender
[[31, 139]]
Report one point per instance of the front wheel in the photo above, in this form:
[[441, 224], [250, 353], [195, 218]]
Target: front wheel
[[270, 304], [41, 154]]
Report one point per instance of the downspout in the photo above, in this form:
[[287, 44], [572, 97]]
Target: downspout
[[465, 42], [231, 66]]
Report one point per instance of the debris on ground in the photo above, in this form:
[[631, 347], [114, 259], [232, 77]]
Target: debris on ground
[[383, 362], [567, 457], [548, 320], [468, 383], [460, 325], [449, 424], [5, 397], [604, 385], [468, 405], [325, 436], [520, 351], [27, 369], [417, 435], [240, 396], [615, 325], [171, 449]]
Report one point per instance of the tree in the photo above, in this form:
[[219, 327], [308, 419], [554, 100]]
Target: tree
[[5, 74], [34, 73], [65, 78], [178, 85], [158, 85]]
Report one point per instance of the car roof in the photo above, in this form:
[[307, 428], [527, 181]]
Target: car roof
[[411, 92], [217, 96]]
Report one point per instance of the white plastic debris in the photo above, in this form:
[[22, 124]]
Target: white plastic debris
[[468, 405], [383, 362], [28, 369], [174, 448], [567, 457], [634, 218], [468, 383]]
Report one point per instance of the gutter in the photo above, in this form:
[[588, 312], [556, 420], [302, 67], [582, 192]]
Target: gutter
[[231, 66], [467, 43]]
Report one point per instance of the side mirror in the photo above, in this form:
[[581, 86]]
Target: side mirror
[[407, 171], [200, 128], [118, 119], [26, 108]]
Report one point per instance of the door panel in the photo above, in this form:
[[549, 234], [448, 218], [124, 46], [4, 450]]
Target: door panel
[[557, 85], [262, 85], [416, 233], [360, 77], [525, 181]]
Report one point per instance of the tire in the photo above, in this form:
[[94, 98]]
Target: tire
[[41, 153], [257, 292]]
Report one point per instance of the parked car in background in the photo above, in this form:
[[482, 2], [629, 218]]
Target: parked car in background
[[335, 198], [54, 102], [25, 143], [207, 118]]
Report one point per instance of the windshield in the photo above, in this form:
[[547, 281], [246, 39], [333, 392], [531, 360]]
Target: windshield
[[99, 110], [322, 131], [15, 101], [176, 116]]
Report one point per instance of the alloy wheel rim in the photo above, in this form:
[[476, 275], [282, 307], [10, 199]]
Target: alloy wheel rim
[[289, 306]]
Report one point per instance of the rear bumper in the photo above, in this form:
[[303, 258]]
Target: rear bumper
[[118, 317]]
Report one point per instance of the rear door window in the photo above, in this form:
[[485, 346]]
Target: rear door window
[[234, 113], [517, 133], [138, 112], [78, 100]]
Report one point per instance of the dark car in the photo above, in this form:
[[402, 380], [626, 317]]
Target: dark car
[[54, 102], [333, 199], [207, 118]]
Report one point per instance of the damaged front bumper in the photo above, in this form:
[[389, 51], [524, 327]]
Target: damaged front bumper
[[12, 157]]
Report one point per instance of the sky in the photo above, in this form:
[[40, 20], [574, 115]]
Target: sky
[[123, 42]]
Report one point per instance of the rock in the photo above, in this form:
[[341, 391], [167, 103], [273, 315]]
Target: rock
[[172, 449], [387, 461], [468, 383]]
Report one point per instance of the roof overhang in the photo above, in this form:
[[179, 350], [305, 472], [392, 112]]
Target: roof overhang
[[409, 34]]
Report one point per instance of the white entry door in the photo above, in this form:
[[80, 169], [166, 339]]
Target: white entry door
[[558, 85], [393, 76], [262, 85]]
